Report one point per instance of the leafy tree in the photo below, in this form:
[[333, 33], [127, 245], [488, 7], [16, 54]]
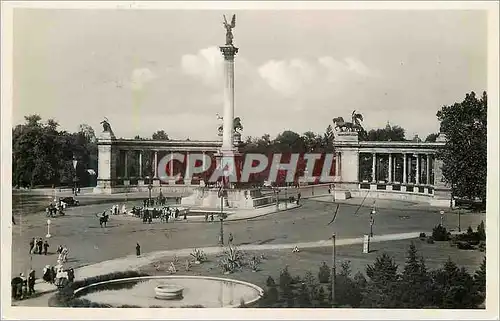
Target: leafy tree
[[389, 133], [431, 138], [464, 156], [160, 135], [286, 288]]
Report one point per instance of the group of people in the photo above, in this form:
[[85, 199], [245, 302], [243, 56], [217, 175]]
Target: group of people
[[164, 213], [115, 209], [57, 208], [23, 287], [37, 245]]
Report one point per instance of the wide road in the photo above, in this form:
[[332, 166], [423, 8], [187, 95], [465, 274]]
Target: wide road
[[88, 243]]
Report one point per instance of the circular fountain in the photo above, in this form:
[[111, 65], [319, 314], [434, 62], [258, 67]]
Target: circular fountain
[[179, 291], [168, 292]]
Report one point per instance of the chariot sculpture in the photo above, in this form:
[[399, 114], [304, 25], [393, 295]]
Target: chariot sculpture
[[353, 126]]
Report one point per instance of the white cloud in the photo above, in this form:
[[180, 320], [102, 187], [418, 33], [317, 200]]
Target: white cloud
[[289, 77], [140, 77], [206, 65]]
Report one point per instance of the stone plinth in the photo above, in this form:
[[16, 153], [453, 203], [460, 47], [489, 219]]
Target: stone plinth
[[235, 198], [346, 136]]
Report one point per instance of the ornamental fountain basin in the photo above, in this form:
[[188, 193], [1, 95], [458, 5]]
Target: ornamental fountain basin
[[168, 292], [171, 291]]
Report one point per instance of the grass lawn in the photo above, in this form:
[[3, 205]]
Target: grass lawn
[[310, 259]]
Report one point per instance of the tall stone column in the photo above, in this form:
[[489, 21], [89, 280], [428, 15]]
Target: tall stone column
[[337, 164], [417, 171], [428, 169], [125, 156], [140, 164], [229, 53], [187, 180], [374, 163], [155, 164], [405, 171], [390, 168]]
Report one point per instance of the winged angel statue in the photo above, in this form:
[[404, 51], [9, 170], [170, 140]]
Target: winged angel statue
[[229, 30]]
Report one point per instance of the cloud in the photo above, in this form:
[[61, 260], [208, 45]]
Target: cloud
[[290, 77], [140, 77], [287, 77], [206, 65]]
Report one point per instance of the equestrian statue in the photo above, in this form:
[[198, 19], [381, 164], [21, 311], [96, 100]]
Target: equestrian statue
[[353, 126]]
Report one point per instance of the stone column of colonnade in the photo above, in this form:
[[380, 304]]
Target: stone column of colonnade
[[407, 168]]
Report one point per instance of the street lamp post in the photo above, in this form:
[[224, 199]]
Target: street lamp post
[[372, 221], [333, 269], [150, 187], [442, 215], [75, 164], [459, 212], [48, 229], [221, 218], [286, 198]]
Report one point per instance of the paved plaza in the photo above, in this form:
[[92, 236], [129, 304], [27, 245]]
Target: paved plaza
[[88, 243]]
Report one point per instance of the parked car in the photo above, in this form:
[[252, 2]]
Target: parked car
[[70, 201]]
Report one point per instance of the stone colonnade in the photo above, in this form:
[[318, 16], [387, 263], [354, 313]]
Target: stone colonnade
[[147, 172], [399, 167]]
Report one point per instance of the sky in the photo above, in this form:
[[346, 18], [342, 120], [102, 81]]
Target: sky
[[149, 70]]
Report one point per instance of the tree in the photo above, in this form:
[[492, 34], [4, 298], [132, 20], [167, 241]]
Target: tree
[[381, 290], [160, 135], [431, 138], [389, 133], [464, 156], [415, 289]]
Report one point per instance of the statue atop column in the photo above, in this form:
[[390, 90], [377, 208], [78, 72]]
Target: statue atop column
[[229, 30], [106, 129], [353, 126]]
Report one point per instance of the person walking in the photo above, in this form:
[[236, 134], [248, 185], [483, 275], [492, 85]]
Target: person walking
[[298, 198], [230, 238], [32, 245], [138, 249], [206, 217], [31, 282], [39, 246], [45, 247]]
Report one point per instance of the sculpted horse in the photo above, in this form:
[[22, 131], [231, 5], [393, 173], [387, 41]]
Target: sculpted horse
[[342, 125]]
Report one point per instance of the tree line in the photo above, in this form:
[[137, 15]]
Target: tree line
[[382, 286]]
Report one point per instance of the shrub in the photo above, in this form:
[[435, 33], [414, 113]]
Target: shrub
[[232, 259], [199, 255], [482, 246], [324, 273], [270, 281], [481, 232], [422, 236], [439, 233], [254, 263], [464, 245], [430, 240]]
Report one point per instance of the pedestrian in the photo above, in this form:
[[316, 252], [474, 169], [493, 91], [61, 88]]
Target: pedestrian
[[32, 245], [65, 253], [211, 217], [150, 218], [176, 212], [298, 198], [230, 238], [185, 214], [39, 245], [59, 249], [31, 282], [206, 217], [45, 247], [71, 275], [138, 249], [13, 220]]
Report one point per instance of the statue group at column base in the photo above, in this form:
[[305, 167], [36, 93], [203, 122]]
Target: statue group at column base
[[234, 198]]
